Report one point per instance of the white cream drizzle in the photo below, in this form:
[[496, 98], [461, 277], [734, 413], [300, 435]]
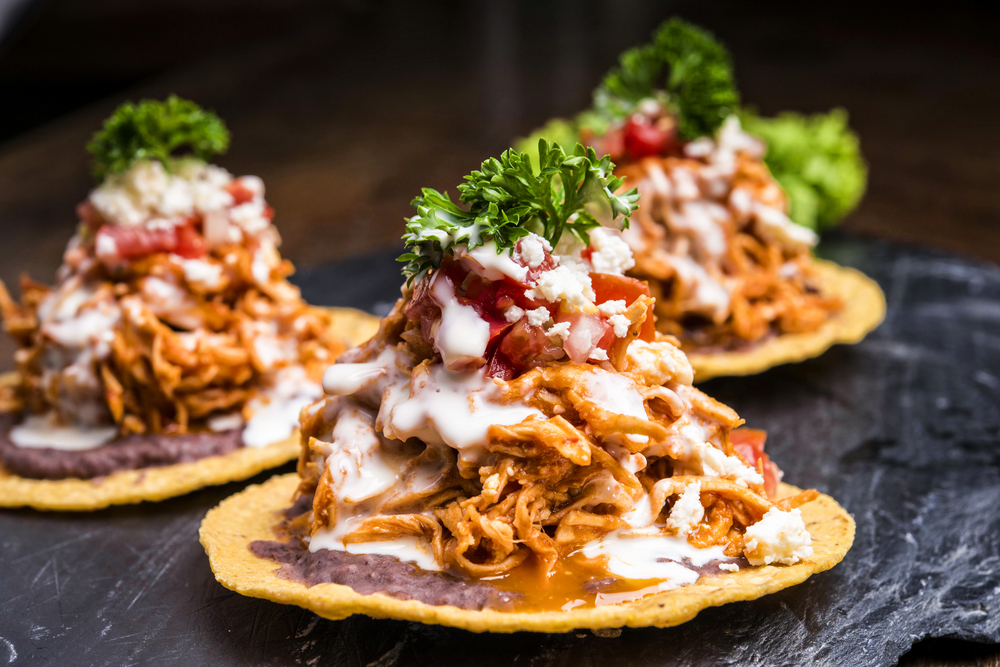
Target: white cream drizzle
[[485, 261], [461, 336], [694, 199], [453, 409], [616, 393], [41, 431], [648, 553], [365, 468], [275, 413]]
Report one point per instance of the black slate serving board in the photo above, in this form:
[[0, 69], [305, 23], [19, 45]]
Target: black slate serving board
[[903, 429]]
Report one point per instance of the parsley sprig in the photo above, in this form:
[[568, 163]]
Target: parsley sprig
[[683, 64], [506, 200], [155, 130]]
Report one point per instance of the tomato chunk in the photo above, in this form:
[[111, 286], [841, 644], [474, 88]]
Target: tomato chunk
[[501, 367], [608, 287], [749, 443], [240, 193], [643, 139], [121, 242], [190, 244]]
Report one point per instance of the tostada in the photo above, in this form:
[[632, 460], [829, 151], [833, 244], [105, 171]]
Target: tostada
[[731, 205], [517, 448], [171, 353]]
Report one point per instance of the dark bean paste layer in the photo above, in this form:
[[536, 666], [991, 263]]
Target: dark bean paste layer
[[374, 573], [130, 453]]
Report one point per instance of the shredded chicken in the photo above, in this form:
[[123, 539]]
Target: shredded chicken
[[551, 483], [725, 265]]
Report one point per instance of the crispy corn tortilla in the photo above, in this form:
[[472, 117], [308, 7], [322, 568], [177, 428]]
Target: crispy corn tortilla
[[152, 484], [251, 514], [864, 309], [353, 326]]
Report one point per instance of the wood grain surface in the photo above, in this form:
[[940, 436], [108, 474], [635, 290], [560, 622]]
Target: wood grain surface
[[347, 109]]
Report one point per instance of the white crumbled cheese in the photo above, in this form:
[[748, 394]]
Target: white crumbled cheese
[[177, 199], [649, 107], [741, 200], [729, 567], [715, 463], [200, 272], [105, 247], [610, 308], [688, 511], [568, 284], [732, 139], [659, 362], [568, 249], [702, 147], [147, 192], [598, 355], [513, 314], [254, 184], [250, 216], [611, 254], [621, 324], [779, 537], [532, 250], [538, 317], [560, 330]]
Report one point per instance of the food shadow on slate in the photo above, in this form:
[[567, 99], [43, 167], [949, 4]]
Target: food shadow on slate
[[902, 429]]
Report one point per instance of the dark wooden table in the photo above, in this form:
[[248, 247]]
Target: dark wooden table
[[347, 110]]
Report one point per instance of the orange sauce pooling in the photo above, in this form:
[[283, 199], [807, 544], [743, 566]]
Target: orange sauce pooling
[[566, 587]]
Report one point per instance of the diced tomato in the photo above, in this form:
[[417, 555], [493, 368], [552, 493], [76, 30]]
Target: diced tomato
[[498, 325], [268, 212], [749, 443], [511, 293], [132, 242], [190, 244], [240, 193], [500, 367], [643, 139], [609, 287], [484, 293], [454, 270], [526, 346]]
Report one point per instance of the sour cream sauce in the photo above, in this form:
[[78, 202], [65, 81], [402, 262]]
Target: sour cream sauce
[[646, 553], [41, 432], [365, 470], [438, 406]]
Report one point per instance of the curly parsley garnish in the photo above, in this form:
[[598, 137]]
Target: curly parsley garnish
[[683, 63], [154, 130], [507, 200], [683, 68]]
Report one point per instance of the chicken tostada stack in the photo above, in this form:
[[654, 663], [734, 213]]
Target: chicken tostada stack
[[172, 353], [517, 448], [731, 205]]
